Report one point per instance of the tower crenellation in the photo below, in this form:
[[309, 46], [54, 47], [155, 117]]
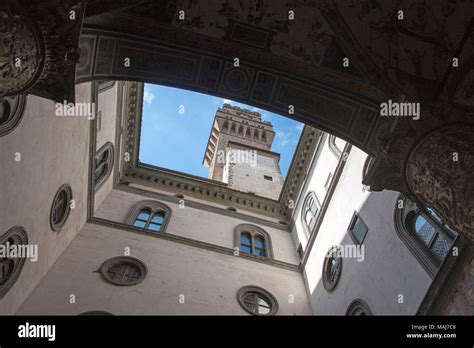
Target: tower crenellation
[[239, 152]]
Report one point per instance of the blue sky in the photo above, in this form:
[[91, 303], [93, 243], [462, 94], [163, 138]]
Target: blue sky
[[177, 141]]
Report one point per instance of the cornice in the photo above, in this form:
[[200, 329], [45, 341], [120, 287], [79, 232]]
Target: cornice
[[195, 243], [298, 168]]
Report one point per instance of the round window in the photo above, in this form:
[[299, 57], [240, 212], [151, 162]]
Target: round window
[[123, 270], [11, 113], [358, 308], [10, 267], [257, 301], [60, 208], [332, 268]]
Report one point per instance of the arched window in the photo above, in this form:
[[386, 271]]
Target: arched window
[[11, 266], [105, 85], [253, 240], [104, 160], [11, 113], [358, 308], [333, 146], [150, 215], [310, 212], [257, 301], [424, 233]]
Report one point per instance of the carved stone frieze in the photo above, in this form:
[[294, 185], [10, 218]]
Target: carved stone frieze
[[40, 54], [21, 50], [438, 172]]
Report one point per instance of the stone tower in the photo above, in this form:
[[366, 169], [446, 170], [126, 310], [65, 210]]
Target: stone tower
[[238, 152]]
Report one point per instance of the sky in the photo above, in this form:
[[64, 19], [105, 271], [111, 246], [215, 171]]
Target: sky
[[177, 141]]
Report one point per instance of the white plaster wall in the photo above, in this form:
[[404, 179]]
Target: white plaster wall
[[54, 151], [197, 224], [208, 280], [107, 105], [325, 163], [388, 270]]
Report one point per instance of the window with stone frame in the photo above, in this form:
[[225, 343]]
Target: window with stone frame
[[424, 233], [310, 212], [253, 240], [152, 216], [104, 160]]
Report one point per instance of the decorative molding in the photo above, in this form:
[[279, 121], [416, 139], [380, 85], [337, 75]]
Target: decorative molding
[[346, 115], [299, 167], [23, 52], [201, 206], [437, 171], [45, 38], [193, 243]]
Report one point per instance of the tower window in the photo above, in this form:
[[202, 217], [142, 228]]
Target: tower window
[[252, 240], [149, 215], [257, 301], [269, 178], [357, 229]]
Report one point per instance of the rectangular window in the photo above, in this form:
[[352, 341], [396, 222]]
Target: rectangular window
[[357, 229], [328, 181], [266, 177]]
